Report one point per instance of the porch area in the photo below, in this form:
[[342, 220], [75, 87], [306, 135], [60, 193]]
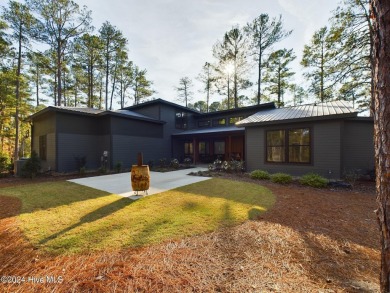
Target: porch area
[[204, 146]]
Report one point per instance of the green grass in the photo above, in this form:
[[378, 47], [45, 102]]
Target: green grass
[[63, 217]]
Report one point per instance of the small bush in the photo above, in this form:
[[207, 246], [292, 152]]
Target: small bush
[[174, 164], [32, 166], [281, 178], [118, 167], [260, 174], [4, 163], [81, 162], [216, 165], [163, 162], [187, 162], [82, 171], [313, 180]]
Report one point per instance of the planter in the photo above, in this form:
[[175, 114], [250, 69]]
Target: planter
[[140, 177]]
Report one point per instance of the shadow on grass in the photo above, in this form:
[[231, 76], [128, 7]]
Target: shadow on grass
[[93, 216], [46, 195]]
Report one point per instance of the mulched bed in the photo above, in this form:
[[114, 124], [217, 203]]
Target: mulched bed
[[311, 240]]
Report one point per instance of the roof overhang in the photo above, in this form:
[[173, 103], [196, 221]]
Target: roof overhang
[[95, 113], [211, 130]]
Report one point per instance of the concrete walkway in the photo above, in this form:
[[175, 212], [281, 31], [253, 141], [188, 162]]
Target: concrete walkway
[[121, 183]]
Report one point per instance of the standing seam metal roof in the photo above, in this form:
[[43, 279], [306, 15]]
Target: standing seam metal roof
[[300, 112], [92, 111]]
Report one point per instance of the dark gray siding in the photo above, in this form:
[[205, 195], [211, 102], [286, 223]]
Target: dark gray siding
[[122, 126], [326, 150], [45, 125], [358, 150], [152, 111], [125, 149], [71, 146], [77, 124]]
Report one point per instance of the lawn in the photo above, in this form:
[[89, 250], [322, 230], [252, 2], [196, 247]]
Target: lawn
[[66, 218]]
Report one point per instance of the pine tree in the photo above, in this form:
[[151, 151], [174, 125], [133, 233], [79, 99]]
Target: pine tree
[[114, 44], [184, 90], [141, 86], [62, 20], [351, 37], [278, 73], [263, 33], [318, 59], [21, 22], [381, 77], [233, 66]]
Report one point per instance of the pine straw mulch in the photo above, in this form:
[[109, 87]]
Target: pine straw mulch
[[311, 240]]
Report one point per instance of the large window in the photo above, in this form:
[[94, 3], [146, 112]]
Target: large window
[[42, 147], [181, 120], [289, 146], [188, 149]]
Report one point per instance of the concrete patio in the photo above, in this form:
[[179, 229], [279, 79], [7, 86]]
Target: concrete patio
[[159, 182]]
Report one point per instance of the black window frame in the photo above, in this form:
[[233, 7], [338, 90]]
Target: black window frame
[[236, 119], [43, 147], [287, 146], [217, 122], [181, 122], [204, 123]]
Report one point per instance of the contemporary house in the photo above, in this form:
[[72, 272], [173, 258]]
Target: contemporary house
[[325, 138]]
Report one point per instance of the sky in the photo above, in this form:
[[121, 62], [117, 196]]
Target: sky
[[172, 39]]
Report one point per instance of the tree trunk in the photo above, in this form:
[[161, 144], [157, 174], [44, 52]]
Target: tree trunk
[[381, 73], [259, 77], [17, 96], [59, 74]]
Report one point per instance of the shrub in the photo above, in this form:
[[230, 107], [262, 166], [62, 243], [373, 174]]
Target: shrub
[[118, 167], [187, 161], [313, 180], [82, 171], [237, 166], [260, 174], [81, 162], [282, 178], [174, 164], [163, 162], [227, 166], [4, 163], [216, 165], [32, 166]]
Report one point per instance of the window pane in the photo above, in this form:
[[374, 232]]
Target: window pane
[[219, 147], [181, 120], [188, 150], [299, 154], [203, 148], [275, 138], [275, 154], [42, 147], [204, 123], [233, 120], [299, 136], [221, 121]]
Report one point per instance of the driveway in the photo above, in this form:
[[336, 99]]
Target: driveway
[[120, 183]]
